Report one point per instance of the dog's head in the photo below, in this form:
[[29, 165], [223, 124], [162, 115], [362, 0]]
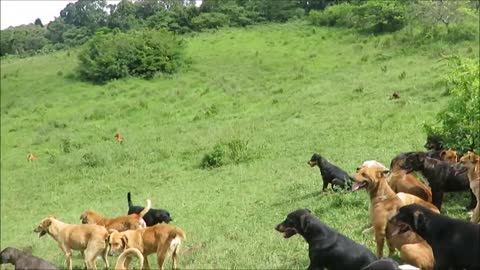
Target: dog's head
[[117, 241], [8, 255], [414, 162], [314, 160], [412, 216], [296, 222], [44, 226], [89, 217], [449, 155], [368, 177], [470, 158], [162, 216], [434, 143]]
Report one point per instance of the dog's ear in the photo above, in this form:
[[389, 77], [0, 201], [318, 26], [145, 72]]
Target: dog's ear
[[124, 241], [382, 173], [442, 154], [304, 222], [46, 223], [418, 220]]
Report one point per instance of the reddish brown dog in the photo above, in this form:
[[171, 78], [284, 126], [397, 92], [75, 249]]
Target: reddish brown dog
[[123, 223]]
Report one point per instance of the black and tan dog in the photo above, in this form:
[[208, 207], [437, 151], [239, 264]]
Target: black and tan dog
[[152, 217], [23, 260], [455, 243], [441, 176], [331, 174], [326, 247]]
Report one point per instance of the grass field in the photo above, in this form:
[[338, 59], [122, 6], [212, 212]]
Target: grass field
[[271, 95]]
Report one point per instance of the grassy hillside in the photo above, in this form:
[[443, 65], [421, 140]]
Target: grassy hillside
[[274, 93]]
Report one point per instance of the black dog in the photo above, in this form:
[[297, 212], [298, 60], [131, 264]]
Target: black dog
[[23, 260], [383, 264], [326, 247], [331, 174], [152, 217], [441, 176], [455, 243]]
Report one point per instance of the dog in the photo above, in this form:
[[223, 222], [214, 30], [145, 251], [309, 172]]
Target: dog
[[455, 243], [89, 239], [472, 162], [326, 247], [401, 181], [120, 265], [123, 223], [31, 157], [441, 176], [411, 199], [119, 138], [152, 217], [331, 174], [384, 204], [161, 239], [434, 145], [449, 155], [23, 260]]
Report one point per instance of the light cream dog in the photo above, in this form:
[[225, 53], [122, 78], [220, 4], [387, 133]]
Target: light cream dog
[[90, 240], [472, 162]]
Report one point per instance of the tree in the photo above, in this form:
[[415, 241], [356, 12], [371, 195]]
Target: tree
[[446, 12], [85, 13], [38, 22]]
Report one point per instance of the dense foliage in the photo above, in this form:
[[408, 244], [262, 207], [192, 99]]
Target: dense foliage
[[459, 123], [117, 55]]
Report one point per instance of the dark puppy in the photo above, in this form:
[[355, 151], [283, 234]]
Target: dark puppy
[[152, 217], [441, 176], [331, 174], [455, 243], [23, 260], [326, 247], [434, 145]]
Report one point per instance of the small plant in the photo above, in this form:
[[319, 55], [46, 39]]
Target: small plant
[[383, 69], [91, 160], [214, 159], [402, 75]]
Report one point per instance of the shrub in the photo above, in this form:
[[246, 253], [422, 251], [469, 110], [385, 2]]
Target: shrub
[[337, 15], [210, 20], [234, 151], [216, 158], [117, 55], [459, 123]]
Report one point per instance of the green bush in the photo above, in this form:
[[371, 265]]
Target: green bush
[[459, 123], [234, 151], [337, 15], [117, 55], [210, 20]]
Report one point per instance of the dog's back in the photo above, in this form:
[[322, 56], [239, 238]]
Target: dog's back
[[23, 260]]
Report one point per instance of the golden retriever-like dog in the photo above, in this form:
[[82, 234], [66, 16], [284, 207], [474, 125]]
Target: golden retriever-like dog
[[120, 265], [91, 240], [161, 239], [123, 223], [472, 162], [384, 204]]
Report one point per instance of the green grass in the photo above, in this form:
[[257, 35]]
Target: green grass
[[278, 92]]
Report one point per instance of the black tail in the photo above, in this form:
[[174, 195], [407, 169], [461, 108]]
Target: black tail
[[130, 204]]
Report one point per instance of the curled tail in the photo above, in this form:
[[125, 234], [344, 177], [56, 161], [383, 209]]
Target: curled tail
[[130, 204], [120, 265], [146, 209]]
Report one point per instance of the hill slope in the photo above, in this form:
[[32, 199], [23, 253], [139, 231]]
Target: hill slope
[[270, 95]]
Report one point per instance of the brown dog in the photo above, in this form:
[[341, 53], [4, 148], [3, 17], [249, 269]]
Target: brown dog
[[411, 199], [401, 181], [123, 223], [384, 204], [413, 248], [90, 240], [31, 157], [120, 265], [161, 239], [119, 138], [472, 162], [449, 155]]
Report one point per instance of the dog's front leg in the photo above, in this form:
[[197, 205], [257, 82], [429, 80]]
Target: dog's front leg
[[380, 240], [84, 261], [146, 266]]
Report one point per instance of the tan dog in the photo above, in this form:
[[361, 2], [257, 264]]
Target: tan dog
[[472, 162], [161, 239], [413, 248], [384, 204], [401, 181], [124, 255], [449, 155], [31, 157], [90, 240], [410, 199], [123, 223], [119, 138]]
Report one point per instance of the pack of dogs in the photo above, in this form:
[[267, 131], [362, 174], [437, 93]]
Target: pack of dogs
[[404, 214]]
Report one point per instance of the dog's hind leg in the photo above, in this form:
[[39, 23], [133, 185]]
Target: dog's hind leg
[[105, 256], [145, 263], [83, 258]]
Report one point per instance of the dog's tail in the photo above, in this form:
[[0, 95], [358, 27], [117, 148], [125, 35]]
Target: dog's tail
[[146, 209], [120, 265], [130, 204]]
